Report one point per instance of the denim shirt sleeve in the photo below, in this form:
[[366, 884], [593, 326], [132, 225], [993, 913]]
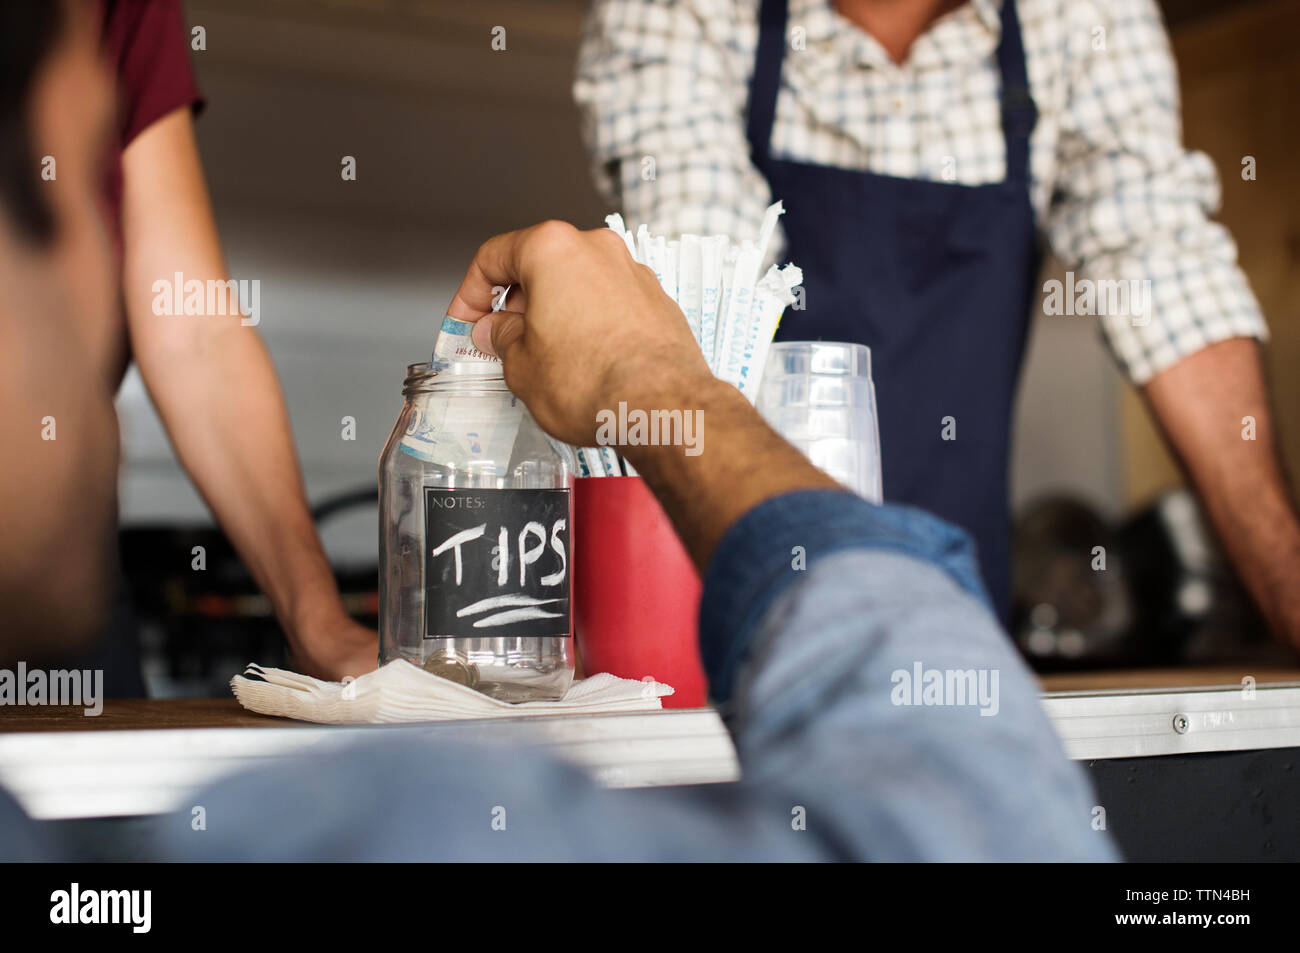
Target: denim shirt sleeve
[[818, 665], [752, 565]]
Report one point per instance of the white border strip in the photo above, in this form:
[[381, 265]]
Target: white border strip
[[1119, 724], [78, 774]]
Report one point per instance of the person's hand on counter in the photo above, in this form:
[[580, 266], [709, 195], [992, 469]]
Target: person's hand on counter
[[335, 647], [591, 329]]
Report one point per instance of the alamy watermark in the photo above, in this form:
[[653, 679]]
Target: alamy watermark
[[651, 428], [214, 297], [1120, 298], [76, 905], [950, 687], [55, 687]]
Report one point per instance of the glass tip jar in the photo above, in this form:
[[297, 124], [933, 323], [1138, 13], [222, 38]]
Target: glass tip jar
[[475, 523]]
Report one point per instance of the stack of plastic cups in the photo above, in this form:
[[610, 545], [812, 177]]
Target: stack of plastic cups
[[819, 396]]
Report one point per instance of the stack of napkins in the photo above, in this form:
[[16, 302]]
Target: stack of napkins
[[400, 691]]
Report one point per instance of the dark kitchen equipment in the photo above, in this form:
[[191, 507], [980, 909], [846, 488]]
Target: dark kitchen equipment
[[1071, 600], [1156, 590], [199, 627]]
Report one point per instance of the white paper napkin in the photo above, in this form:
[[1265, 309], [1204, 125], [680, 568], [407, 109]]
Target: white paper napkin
[[400, 691]]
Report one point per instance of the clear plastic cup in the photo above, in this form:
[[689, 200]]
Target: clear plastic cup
[[819, 396]]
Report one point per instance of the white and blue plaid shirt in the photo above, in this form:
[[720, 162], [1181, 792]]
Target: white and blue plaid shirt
[[663, 86]]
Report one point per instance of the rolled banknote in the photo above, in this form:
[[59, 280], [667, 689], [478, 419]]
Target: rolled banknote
[[454, 344], [470, 432]]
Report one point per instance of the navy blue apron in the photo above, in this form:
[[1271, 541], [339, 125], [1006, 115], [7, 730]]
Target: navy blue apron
[[936, 278]]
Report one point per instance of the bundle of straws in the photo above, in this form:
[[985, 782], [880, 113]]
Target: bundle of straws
[[731, 310]]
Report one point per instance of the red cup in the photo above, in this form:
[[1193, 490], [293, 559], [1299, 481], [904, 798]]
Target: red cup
[[636, 599]]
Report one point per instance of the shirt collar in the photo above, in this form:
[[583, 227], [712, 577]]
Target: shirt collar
[[838, 42]]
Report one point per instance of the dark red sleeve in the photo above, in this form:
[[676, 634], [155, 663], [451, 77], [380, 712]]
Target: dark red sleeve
[[148, 44]]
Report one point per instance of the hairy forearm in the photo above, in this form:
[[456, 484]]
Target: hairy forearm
[[1213, 408], [742, 463]]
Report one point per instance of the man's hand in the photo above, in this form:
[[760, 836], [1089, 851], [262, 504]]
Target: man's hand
[[593, 329], [599, 327]]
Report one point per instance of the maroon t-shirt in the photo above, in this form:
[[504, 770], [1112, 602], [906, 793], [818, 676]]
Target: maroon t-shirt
[[148, 46]]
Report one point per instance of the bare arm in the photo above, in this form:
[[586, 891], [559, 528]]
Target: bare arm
[[1205, 405], [1132, 203], [746, 463], [216, 389]]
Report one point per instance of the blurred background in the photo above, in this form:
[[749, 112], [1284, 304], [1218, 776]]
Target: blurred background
[[454, 142]]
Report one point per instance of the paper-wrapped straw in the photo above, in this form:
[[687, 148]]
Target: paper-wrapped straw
[[690, 284], [732, 311]]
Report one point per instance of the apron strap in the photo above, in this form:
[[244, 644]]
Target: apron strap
[[766, 82], [1019, 114]]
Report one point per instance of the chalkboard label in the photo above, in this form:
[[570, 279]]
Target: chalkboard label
[[496, 563]]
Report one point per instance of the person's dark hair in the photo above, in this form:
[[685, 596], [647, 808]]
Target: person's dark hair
[[28, 33]]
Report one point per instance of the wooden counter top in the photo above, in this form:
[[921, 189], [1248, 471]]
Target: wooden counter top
[[1143, 679], [138, 714], [142, 714]]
